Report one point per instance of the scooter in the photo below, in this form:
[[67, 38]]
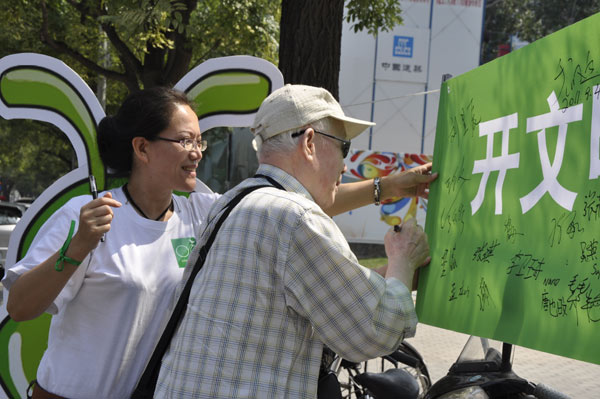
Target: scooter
[[400, 375], [484, 371]]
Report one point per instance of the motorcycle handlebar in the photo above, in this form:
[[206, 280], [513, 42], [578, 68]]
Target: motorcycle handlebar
[[405, 358], [542, 391]]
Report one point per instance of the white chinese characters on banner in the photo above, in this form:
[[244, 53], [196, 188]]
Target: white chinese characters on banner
[[595, 136], [490, 163], [550, 184], [557, 117]]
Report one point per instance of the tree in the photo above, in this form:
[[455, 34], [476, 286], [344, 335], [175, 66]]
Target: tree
[[152, 42], [530, 20], [311, 36], [33, 155], [548, 16], [304, 23], [155, 42]]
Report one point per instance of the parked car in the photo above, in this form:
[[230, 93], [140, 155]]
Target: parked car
[[10, 214], [26, 201]]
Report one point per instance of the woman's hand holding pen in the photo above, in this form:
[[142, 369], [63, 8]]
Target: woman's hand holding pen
[[94, 221], [35, 290]]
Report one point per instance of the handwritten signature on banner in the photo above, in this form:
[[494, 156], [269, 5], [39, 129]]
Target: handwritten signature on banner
[[568, 225], [576, 78], [582, 295]]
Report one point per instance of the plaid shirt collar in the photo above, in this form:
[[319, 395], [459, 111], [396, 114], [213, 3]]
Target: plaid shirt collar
[[289, 182]]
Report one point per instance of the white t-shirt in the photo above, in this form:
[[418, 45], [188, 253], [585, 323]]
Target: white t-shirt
[[110, 315]]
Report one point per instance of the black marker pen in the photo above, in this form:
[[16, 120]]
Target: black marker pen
[[93, 188], [94, 192]]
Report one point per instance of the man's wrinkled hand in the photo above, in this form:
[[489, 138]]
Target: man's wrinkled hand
[[413, 182]]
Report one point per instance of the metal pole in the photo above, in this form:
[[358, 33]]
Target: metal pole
[[506, 353], [427, 80], [373, 92]]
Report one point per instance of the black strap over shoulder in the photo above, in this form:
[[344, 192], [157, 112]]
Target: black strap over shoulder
[[274, 182], [147, 383]]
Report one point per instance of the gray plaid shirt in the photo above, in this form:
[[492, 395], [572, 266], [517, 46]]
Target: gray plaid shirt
[[279, 282]]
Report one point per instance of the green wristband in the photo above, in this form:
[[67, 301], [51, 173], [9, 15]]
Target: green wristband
[[62, 258]]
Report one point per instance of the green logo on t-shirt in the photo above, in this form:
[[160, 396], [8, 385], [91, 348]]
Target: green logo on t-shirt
[[183, 247]]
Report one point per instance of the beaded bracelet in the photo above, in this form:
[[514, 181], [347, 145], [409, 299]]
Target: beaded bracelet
[[377, 190], [62, 258]]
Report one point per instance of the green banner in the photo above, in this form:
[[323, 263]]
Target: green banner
[[514, 217]]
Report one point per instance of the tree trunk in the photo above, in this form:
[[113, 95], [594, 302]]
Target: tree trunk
[[310, 42]]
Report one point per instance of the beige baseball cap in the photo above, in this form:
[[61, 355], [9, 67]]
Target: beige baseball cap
[[294, 106]]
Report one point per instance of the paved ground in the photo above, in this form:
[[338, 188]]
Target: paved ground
[[580, 380]]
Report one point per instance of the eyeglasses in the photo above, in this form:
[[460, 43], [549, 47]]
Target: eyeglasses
[[188, 144], [345, 143]]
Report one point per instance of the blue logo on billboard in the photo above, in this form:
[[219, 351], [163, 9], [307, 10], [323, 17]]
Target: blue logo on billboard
[[403, 46]]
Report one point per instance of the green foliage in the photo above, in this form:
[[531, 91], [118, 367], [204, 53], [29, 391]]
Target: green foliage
[[146, 24], [32, 156], [145, 30], [157, 41], [530, 20], [22, 22], [232, 27], [374, 15], [548, 16], [151, 42], [225, 27]]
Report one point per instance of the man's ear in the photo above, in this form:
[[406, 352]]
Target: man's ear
[[140, 149], [308, 143]]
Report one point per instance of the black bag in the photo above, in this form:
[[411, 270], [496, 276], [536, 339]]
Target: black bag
[[147, 383], [328, 386]]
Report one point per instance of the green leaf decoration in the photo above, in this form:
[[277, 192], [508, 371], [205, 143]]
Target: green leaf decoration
[[225, 92]]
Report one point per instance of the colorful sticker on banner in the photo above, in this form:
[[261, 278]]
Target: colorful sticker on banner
[[365, 165]]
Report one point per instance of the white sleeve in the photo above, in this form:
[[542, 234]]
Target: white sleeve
[[47, 241], [201, 204]]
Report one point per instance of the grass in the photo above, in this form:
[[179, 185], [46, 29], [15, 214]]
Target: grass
[[373, 263]]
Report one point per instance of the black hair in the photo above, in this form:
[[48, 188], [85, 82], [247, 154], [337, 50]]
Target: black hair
[[144, 113]]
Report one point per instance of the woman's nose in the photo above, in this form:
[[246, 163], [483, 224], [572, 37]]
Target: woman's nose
[[196, 154]]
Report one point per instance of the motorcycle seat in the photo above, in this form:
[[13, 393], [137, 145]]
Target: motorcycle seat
[[391, 384]]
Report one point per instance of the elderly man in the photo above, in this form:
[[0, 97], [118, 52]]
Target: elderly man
[[280, 280]]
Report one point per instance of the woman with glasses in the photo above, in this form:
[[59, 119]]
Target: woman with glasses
[[107, 268], [109, 281]]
